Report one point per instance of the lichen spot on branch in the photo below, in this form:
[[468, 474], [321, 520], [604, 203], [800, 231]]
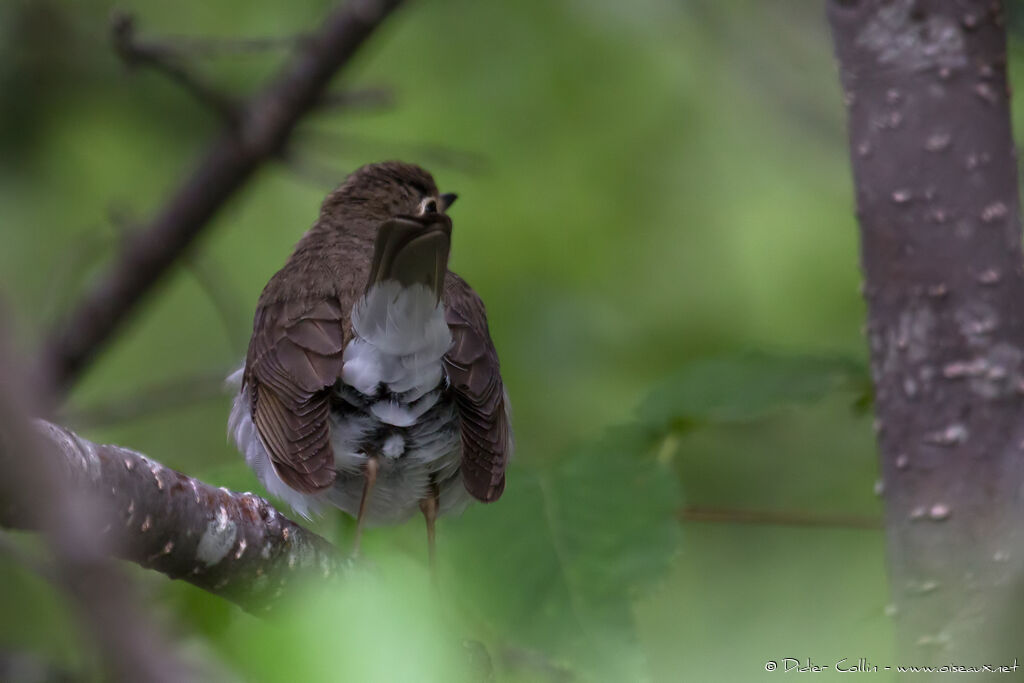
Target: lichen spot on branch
[[218, 539], [899, 38]]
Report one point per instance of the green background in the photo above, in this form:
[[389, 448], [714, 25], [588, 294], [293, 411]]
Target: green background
[[656, 206]]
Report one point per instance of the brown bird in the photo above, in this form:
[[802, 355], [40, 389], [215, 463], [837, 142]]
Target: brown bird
[[371, 382]]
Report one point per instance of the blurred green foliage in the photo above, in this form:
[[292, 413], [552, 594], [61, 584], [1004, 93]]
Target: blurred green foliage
[[650, 191]]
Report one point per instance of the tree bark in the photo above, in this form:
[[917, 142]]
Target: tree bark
[[235, 545], [936, 184], [33, 488]]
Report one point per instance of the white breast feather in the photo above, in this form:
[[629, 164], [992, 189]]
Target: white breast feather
[[400, 321]]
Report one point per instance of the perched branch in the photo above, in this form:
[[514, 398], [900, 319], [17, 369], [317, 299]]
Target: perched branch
[[263, 129], [35, 492], [235, 545], [936, 183]]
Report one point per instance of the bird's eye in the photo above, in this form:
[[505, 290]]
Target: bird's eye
[[428, 205]]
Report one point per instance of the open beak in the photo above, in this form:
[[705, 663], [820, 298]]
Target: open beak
[[447, 199], [412, 251]]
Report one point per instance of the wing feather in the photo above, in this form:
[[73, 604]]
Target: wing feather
[[474, 374], [294, 359]]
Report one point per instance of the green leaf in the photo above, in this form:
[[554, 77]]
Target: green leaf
[[746, 387], [380, 622], [557, 568]]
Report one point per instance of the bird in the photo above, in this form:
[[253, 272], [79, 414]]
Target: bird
[[371, 382]]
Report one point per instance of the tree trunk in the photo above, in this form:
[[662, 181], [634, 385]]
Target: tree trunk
[[936, 184]]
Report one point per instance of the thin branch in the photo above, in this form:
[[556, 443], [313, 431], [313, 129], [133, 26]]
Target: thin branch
[[28, 666], [265, 126], [84, 250], [135, 52], [206, 47], [434, 155], [534, 664], [311, 172], [208, 274], [361, 99], [234, 545], [697, 513], [10, 549], [154, 399]]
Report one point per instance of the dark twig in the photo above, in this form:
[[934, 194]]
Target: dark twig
[[10, 549], [264, 127], [154, 399], [698, 513], [434, 155], [138, 53], [26, 666], [84, 251], [229, 307], [362, 99], [312, 172], [183, 47], [534, 664], [206, 274]]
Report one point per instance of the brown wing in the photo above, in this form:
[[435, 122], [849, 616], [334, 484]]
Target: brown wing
[[294, 358], [475, 377]]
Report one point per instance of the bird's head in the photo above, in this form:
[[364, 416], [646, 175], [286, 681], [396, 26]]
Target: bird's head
[[389, 189], [412, 231]]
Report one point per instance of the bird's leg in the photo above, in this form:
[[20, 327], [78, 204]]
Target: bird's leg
[[370, 473], [428, 506]]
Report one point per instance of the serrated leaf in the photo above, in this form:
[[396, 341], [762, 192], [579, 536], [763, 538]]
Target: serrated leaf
[[577, 541]]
